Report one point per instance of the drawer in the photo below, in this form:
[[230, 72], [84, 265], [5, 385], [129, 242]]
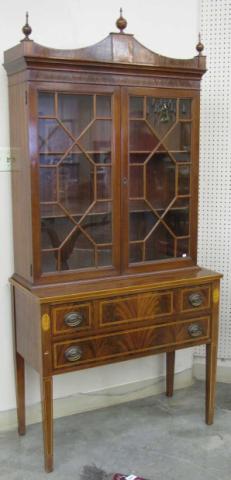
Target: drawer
[[136, 307], [117, 347], [195, 298], [70, 318]]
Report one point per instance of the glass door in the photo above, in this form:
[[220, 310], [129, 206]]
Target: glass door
[[79, 211], [158, 163]]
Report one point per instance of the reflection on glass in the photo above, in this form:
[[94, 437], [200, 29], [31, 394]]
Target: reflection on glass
[[102, 157], [179, 138], [185, 108], [136, 181], [48, 185], [141, 220], [77, 252], [97, 137], [46, 104], [101, 207], [138, 157], [135, 252], [141, 136], [98, 224], [182, 247], [136, 107], [54, 231], [104, 256], [76, 230], [158, 147], [160, 244], [49, 210], [52, 137], [103, 182], [177, 217], [49, 159], [182, 156], [160, 181], [49, 261], [103, 105], [140, 224], [75, 111], [184, 180], [76, 183], [139, 206], [161, 114]]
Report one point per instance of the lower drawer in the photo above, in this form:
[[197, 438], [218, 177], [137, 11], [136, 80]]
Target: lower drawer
[[100, 349]]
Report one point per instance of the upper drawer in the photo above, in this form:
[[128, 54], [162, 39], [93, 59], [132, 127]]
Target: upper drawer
[[195, 298], [71, 317], [136, 307]]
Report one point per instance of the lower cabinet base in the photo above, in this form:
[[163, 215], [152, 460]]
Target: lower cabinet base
[[56, 333], [47, 397]]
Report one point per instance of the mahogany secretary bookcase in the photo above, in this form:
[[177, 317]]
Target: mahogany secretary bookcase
[[105, 198]]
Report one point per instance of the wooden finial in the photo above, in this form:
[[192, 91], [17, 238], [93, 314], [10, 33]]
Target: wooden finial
[[121, 23], [26, 29], [200, 46]]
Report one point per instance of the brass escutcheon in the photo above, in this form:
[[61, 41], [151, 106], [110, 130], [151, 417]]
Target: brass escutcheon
[[216, 295], [45, 322]]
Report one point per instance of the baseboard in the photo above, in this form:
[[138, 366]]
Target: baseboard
[[83, 402], [223, 370]]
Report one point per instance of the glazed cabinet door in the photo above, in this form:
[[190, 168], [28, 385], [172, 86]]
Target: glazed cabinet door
[[77, 208], [160, 175]]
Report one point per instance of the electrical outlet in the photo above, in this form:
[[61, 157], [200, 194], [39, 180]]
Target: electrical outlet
[[8, 159]]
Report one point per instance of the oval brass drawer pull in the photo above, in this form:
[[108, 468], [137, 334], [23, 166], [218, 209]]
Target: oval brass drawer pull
[[72, 354], [73, 319], [195, 330], [196, 299]]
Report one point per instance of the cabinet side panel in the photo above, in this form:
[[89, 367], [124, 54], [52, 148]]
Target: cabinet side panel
[[21, 188], [28, 329]]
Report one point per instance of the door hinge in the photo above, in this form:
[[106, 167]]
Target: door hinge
[[31, 270], [26, 97]]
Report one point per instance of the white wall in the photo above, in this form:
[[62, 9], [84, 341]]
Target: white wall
[[168, 27], [215, 172]]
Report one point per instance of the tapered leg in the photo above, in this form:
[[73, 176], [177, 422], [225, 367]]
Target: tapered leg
[[20, 393], [211, 364], [47, 414], [170, 366]]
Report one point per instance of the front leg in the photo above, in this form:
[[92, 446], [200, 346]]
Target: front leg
[[211, 364], [170, 368], [211, 356], [47, 414], [20, 392]]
